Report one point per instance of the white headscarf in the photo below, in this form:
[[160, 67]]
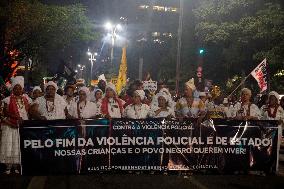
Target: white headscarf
[[96, 90], [202, 94], [141, 93], [163, 95], [246, 90], [18, 80], [111, 86], [37, 88], [85, 89], [274, 93], [51, 83], [190, 84]]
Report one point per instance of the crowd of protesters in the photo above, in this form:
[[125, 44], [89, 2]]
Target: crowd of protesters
[[50, 103]]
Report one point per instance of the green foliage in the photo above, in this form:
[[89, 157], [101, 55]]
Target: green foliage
[[41, 31], [245, 32]]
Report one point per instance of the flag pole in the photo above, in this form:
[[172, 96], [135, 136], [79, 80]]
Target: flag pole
[[240, 84]]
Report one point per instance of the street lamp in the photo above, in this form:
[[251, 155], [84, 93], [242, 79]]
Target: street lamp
[[81, 68], [92, 59], [113, 32]]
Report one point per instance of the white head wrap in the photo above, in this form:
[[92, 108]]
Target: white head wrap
[[163, 95], [274, 93], [190, 84], [111, 86], [165, 91], [246, 90], [225, 101], [202, 94], [51, 83], [102, 77], [18, 80], [85, 89], [97, 89], [141, 93], [37, 88]]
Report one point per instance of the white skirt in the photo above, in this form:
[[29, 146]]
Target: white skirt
[[10, 145]]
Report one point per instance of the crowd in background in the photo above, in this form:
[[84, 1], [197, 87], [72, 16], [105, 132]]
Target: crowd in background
[[49, 102]]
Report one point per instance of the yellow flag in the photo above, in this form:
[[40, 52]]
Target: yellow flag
[[122, 75]]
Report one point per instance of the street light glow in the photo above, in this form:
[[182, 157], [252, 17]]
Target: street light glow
[[108, 26], [118, 27], [89, 53]]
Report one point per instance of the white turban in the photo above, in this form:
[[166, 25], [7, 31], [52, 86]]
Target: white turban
[[165, 91], [202, 94], [274, 93], [246, 90], [51, 83], [141, 93], [225, 101], [18, 80], [163, 95], [96, 90], [37, 88], [85, 89], [111, 86], [190, 84]]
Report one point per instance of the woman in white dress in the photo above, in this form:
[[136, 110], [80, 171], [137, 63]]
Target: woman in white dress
[[112, 106], [163, 110], [83, 109], [97, 99], [188, 106], [16, 108], [272, 110], [245, 110], [137, 110], [51, 106]]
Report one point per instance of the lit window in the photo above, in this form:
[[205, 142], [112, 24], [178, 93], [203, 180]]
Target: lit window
[[158, 8], [143, 6], [168, 34], [156, 34]]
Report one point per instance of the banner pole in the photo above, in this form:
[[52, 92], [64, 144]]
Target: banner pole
[[240, 84]]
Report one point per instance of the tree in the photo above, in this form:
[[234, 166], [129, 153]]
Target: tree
[[38, 31], [241, 34]]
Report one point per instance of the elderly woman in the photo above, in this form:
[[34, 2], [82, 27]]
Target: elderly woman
[[163, 109], [51, 106], [272, 110], [112, 106], [16, 108], [137, 110], [188, 106], [83, 109], [246, 110]]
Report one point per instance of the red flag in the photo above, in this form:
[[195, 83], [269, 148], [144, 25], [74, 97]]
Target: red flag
[[260, 74]]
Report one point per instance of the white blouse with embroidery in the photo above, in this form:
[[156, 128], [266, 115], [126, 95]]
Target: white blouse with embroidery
[[51, 110], [137, 111]]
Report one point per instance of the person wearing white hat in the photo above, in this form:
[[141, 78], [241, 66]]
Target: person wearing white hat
[[51, 106], [83, 109], [272, 110], [16, 108], [166, 92], [37, 92], [245, 110], [96, 98], [137, 110], [188, 106], [163, 109], [112, 106]]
